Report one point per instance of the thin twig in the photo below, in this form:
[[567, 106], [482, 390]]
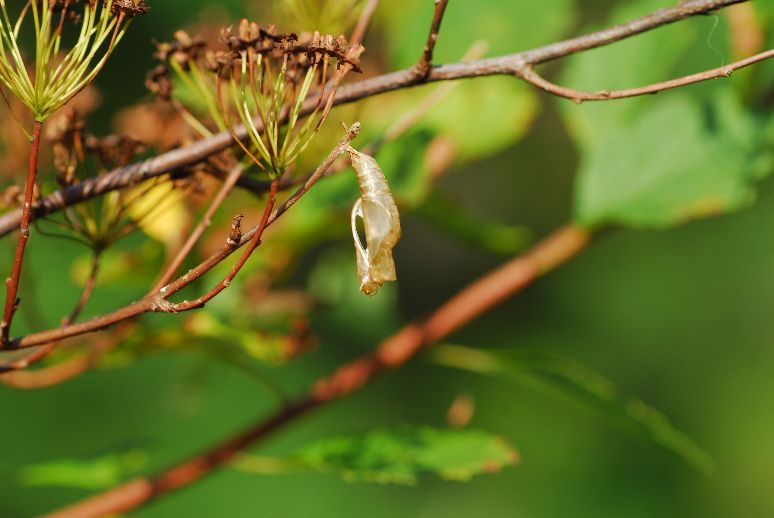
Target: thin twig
[[425, 64], [470, 303], [363, 23], [204, 223], [255, 241], [503, 65], [529, 75], [12, 283]]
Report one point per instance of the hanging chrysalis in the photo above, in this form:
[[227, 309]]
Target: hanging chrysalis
[[376, 207]]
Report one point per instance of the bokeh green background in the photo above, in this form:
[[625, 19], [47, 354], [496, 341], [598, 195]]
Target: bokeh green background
[[681, 318]]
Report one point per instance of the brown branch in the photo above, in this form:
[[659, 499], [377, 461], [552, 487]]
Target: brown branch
[[12, 282], [158, 301], [363, 23], [70, 368], [393, 352], [44, 351], [532, 77], [504, 65], [203, 225], [255, 241], [425, 64]]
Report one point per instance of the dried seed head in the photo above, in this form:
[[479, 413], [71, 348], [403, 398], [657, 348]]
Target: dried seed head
[[263, 73], [66, 72], [159, 82], [182, 50], [114, 150], [129, 8]]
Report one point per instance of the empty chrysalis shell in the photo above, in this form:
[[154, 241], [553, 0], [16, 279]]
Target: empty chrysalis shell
[[376, 207]]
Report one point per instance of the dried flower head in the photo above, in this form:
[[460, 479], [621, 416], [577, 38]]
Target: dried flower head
[[57, 76], [263, 79]]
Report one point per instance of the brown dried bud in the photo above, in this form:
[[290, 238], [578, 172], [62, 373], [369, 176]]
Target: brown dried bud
[[235, 236], [159, 82], [129, 8], [115, 150]]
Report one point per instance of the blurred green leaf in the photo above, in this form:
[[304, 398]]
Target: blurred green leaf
[[574, 379], [485, 117], [98, 473], [362, 319], [488, 235], [399, 456], [656, 162], [502, 108], [508, 26], [683, 159], [625, 64]]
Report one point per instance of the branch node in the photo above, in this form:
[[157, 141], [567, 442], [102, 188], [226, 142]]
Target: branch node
[[424, 66]]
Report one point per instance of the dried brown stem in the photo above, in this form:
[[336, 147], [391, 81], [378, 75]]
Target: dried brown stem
[[532, 77], [470, 303], [503, 65], [12, 283], [425, 64], [201, 227]]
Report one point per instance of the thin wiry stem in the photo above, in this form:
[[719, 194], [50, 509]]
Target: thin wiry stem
[[12, 283], [422, 68], [532, 77]]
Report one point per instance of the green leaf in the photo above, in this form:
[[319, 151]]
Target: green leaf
[[400, 455], [682, 160], [502, 116], [625, 64], [98, 473], [572, 378], [504, 107], [659, 161], [511, 25], [257, 344], [491, 236]]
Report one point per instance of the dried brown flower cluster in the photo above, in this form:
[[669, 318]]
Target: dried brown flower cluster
[[261, 78], [126, 7]]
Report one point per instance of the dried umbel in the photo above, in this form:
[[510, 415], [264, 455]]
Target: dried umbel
[[57, 76], [262, 79], [381, 220]]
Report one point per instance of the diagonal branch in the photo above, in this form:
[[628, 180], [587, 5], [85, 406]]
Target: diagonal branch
[[511, 64], [471, 302]]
